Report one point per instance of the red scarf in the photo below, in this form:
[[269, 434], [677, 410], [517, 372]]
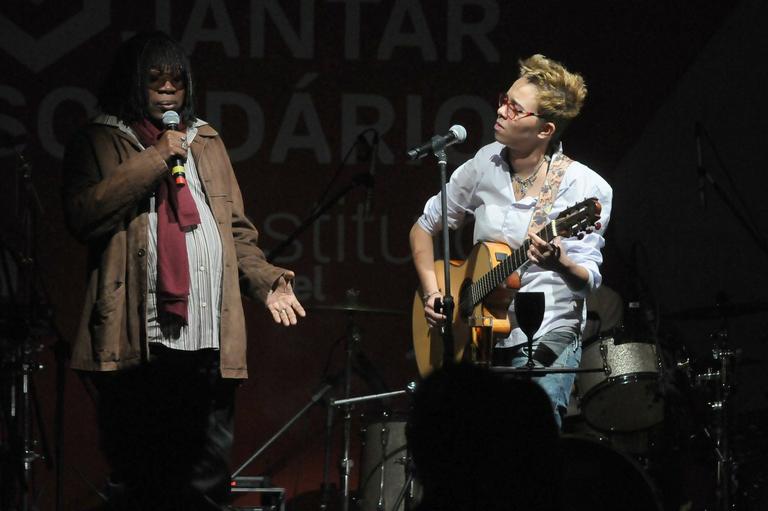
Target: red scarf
[[176, 214]]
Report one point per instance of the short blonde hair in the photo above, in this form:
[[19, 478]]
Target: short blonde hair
[[561, 93]]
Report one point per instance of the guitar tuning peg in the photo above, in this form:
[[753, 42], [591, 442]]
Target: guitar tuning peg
[[580, 236], [598, 225]]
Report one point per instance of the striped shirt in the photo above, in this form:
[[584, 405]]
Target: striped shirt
[[204, 254]]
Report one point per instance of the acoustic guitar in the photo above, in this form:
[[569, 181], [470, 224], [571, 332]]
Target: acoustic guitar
[[480, 314]]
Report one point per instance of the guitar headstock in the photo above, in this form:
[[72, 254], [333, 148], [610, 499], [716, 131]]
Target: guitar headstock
[[579, 219]]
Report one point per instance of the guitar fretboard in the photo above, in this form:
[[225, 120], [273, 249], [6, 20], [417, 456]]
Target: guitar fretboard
[[491, 280]]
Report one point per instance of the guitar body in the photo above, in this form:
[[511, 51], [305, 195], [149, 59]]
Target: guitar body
[[428, 342]]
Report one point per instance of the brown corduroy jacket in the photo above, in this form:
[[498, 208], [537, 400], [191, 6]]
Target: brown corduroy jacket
[[108, 180]]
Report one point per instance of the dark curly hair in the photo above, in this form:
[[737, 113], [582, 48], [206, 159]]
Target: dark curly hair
[[124, 91]]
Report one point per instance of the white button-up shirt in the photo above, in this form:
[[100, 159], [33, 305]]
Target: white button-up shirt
[[482, 188]]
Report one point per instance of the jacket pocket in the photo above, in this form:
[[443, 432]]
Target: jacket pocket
[[106, 324], [221, 207]]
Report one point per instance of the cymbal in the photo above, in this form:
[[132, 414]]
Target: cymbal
[[724, 310], [353, 308]]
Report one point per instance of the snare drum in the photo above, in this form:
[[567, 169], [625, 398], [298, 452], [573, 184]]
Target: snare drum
[[628, 398], [384, 464]]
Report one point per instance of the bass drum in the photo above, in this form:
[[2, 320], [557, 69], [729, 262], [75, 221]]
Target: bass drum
[[627, 399], [598, 477], [384, 468]]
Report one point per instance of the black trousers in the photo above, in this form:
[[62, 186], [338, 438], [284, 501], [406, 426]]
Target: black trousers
[[166, 429]]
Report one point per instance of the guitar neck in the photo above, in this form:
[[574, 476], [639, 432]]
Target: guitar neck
[[483, 286]]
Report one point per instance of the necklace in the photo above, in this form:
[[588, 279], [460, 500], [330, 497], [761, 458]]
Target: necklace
[[528, 181]]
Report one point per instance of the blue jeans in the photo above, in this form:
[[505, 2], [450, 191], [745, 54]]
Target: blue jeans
[[558, 386]]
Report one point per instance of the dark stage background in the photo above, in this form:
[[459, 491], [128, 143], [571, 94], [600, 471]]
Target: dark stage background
[[290, 85]]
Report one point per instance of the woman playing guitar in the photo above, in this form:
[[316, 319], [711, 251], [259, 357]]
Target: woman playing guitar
[[512, 187]]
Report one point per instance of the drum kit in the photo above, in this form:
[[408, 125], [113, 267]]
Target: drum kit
[[619, 412], [619, 393], [386, 481], [650, 402]]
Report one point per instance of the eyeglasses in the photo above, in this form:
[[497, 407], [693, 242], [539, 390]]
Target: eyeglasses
[[157, 80], [517, 113]]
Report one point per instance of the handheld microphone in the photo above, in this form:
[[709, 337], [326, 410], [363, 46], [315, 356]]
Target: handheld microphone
[[456, 134], [171, 122], [699, 166]]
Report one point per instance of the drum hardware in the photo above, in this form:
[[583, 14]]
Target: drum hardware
[[708, 375], [387, 473], [389, 432], [320, 394], [408, 488], [718, 432], [346, 462], [381, 504], [25, 318], [719, 380], [629, 396], [604, 355], [684, 365], [626, 396], [716, 405], [353, 339], [354, 307], [411, 387]]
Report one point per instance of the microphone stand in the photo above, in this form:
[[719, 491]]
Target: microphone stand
[[361, 179], [744, 219], [447, 304]]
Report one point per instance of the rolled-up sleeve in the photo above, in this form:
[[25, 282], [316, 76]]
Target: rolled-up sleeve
[[586, 252], [460, 198]]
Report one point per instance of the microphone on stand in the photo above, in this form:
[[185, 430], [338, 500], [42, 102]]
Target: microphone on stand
[[374, 153], [171, 122], [700, 167], [455, 135]]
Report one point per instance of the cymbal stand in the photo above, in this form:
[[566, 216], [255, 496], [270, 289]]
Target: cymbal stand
[[24, 412], [352, 342], [352, 338], [721, 409], [316, 397]]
